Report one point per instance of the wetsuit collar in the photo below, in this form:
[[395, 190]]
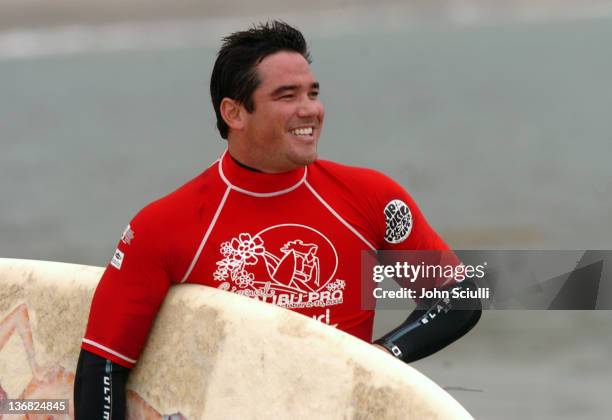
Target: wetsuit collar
[[258, 183], [243, 165]]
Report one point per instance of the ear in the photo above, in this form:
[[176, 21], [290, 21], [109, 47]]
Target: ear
[[232, 113]]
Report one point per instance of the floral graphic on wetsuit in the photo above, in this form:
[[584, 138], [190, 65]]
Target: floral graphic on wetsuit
[[238, 253]]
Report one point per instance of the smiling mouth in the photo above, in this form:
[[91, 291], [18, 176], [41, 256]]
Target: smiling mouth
[[302, 132]]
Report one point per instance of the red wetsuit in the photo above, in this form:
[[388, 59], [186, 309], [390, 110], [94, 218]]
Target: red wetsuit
[[293, 239]]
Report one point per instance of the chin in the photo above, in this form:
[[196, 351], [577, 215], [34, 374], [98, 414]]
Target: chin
[[303, 159], [310, 157]]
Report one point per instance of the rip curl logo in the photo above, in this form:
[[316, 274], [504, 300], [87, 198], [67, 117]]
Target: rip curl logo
[[399, 221], [289, 265]]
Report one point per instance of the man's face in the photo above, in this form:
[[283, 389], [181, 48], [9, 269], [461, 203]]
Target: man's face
[[282, 132]]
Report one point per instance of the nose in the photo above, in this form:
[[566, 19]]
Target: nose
[[309, 108]]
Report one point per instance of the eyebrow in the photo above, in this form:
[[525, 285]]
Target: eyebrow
[[290, 88]]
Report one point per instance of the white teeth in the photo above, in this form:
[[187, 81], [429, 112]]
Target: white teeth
[[302, 131]]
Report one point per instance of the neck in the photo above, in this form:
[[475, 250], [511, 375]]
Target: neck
[[243, 165], [246, 179], [254, 158]]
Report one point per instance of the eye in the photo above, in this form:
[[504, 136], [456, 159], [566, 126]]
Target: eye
[[314, 94]]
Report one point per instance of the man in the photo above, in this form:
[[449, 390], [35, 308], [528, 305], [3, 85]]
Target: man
[[267, 220]]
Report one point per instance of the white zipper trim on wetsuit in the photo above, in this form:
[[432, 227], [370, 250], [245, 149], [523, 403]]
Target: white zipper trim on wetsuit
[[256, 194], [344, 222], [207, 234], [106, 349]]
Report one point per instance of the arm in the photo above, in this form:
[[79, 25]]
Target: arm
[[99, 388], [433, 325], [123, 309]]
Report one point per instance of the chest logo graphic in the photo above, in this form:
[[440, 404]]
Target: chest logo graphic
[[399, 221], [291, 265]]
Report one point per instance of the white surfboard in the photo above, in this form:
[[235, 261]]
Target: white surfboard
[[211, 355]]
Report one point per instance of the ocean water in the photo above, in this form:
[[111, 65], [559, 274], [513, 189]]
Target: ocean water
[[500, 132]]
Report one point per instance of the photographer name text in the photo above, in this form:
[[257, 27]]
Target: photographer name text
[[434, 293]]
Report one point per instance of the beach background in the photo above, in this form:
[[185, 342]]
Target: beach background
[[495, 116]]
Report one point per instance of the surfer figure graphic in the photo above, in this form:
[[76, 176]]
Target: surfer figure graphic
[[302, 263]]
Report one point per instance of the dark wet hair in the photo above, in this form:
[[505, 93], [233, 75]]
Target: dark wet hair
[[234, 74]]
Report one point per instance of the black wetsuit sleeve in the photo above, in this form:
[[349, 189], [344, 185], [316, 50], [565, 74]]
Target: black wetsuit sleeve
[[99, 388], [432, 326]]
